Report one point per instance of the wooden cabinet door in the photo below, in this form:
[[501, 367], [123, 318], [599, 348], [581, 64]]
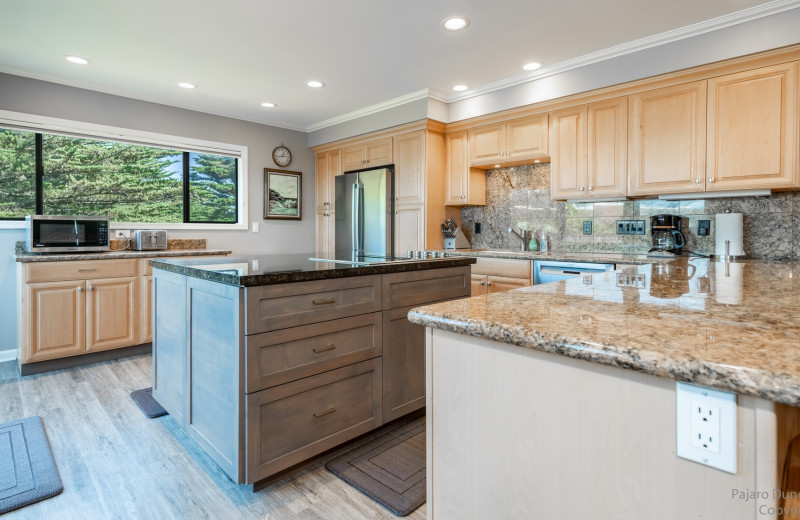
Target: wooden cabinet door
[[325, 232], [112, 315], [409, 229], [379, 152], [329, 165], [526, 138], [503, 283], [667, 140], [409, 168], [146, 308], [752, 129], [403, 364], [607, 149], [478, 284], [487, 144], [354, 157], [568, 153], [463, 185], [56, 320]]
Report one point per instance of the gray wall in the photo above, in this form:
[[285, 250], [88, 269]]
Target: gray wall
[[31, 96]]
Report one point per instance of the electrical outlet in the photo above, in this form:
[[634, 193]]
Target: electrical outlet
[[703, 227], [255, 227], [587, 227], [706, 426], [255, 264], [122, 233], [478, 228]]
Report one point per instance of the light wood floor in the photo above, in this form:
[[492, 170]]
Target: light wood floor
[[116, 463]]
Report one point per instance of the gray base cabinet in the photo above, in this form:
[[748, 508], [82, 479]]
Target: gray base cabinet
[[266, 377]]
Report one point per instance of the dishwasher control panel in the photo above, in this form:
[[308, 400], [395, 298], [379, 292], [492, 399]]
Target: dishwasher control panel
[[545, 271]]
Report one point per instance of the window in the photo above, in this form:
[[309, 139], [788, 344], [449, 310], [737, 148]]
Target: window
[[54, 174]]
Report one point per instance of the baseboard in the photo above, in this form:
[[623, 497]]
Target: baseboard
[[8, 355]]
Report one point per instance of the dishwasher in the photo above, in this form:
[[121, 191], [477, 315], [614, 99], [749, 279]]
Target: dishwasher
[[545, 271]]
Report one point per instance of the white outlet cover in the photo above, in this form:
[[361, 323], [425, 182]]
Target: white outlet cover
[[690, 397], [255, 227]]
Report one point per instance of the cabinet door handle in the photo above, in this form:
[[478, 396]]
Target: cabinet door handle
[[463, 196], [711, 179], [326, 301], [488, 283], [580, 189], [501, 154], [323, 413], [324, 349], [482, 282], [80, 289], [91, 288], [87, 270], [591, 187], [697, 181]]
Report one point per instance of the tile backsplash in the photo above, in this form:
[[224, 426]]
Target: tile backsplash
[[522, 194]]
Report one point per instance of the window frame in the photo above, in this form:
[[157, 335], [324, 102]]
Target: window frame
[[52, 125]]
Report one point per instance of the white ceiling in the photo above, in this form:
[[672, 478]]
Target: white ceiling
[[241, 53]]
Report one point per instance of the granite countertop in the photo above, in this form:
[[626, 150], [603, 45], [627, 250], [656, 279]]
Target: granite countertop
[[562, 256], [175, 247], [732, 326], [249, 271]]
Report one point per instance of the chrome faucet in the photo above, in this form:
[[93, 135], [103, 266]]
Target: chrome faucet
[[525, 237]]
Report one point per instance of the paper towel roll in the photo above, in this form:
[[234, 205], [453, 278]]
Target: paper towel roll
[[729, 227]]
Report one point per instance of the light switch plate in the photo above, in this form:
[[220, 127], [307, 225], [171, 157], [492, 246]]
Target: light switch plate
[[706, 426]]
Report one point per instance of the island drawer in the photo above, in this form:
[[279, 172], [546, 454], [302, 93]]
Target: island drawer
[[288, 424], [274, 307], [427, 286], [274, 358], [80, 270]]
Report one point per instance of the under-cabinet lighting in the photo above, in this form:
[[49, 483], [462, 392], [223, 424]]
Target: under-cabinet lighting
[[716, 194], [608, 199]]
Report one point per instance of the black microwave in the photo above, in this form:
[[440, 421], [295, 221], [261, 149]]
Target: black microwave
[[62, 234]]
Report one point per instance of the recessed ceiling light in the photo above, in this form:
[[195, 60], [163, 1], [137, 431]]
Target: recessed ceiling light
[[460, 88], [532, 66], [268, 105], [77, 60], [315, 84], [455, 23], [187, 85]]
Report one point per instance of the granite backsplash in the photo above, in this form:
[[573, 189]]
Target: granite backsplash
[[522, 194]]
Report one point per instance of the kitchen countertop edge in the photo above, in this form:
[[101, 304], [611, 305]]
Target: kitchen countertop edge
[[109, 255]]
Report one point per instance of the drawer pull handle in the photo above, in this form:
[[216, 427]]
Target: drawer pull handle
[[324, 412], [324, 302], [324, 349], [86, 270]]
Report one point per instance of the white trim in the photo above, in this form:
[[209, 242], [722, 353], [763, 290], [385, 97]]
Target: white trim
[[53, 78], [373, 109], [8, 355], [45, 123], [714, 24]]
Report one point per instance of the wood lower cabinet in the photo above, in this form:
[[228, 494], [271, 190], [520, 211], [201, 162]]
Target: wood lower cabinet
[[403, 364], [490, 275], [56, 320], [112, 313], [326, 231]]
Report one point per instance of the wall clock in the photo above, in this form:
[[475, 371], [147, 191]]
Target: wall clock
[[281, 155]]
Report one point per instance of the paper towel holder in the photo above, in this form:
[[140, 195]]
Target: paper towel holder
[[723, 247]]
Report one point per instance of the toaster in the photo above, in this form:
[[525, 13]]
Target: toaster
[[149, 240]]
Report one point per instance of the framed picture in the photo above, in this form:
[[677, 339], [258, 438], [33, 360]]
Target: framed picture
[[282, 194]]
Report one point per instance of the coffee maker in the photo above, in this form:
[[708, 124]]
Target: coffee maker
[[666, 234]]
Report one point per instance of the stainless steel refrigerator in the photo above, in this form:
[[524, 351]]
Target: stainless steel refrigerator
[[365, 213]]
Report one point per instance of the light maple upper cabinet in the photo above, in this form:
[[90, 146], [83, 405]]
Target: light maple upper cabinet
[[588, 150], [515, 141], [325, 231], [366, 155], [409, 174], [464, 185], [329, 165], [667, 140], [753, 129]]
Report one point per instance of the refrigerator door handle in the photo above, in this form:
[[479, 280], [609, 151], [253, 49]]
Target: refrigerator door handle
[[355, 220]]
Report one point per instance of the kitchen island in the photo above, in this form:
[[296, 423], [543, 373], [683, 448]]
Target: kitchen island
[[267, 361], [559, 400]]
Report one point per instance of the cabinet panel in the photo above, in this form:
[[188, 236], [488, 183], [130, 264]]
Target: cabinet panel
[[403, 364], [478, 285], [752, 129], [667, 140], [274, 358], [420, 287], [487, 143], [607, 133], [463, 185], [290, 423], [329, 165], [409, 171], [325, 231], [111, 313], [409, 229], [353, 157], [80, 270], [146, 309], [526, 138], [379, 152], [55, 311], [568, 149], [510, 267], [504, 283]]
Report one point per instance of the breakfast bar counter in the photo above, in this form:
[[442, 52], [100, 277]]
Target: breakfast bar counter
[[580, 376]]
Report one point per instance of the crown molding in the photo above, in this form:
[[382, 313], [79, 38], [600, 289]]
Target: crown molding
[[52, 78], [373, 109], [714, 24]]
